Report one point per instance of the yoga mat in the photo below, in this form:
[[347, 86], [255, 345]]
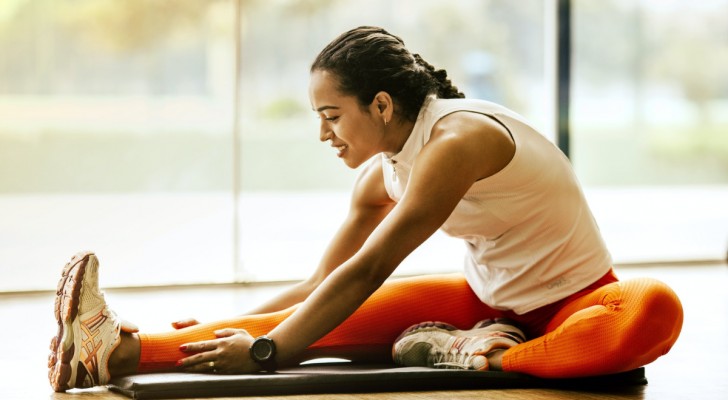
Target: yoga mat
[[349, 378]]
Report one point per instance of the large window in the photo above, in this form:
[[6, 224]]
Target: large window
[[175, 137]]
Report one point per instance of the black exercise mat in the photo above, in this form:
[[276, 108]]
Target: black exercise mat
[[349, 378]]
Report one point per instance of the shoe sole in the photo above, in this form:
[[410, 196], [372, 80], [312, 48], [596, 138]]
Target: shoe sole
[[68, 295]]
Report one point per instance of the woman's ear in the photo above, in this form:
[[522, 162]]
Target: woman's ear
[[383, 106]]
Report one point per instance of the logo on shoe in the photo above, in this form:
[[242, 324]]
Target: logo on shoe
[[88, 369]]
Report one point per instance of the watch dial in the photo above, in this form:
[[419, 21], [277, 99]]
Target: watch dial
[[262, 350]]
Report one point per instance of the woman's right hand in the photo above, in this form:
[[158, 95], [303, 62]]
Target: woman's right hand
[[184, 323]]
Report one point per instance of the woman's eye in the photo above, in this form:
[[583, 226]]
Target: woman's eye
[[331, 118]]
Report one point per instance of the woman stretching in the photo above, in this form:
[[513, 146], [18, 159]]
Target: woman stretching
[[538, 294]]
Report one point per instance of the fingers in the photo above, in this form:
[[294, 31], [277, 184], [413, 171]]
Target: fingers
[[223, 355], [198, 363], [128, 327], [227, 332], [184, 323], [199, 347], [202, 358]]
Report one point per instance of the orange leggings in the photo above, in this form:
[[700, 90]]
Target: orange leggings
[[608, 327]]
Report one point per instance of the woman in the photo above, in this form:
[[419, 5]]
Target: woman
[[433, 160]]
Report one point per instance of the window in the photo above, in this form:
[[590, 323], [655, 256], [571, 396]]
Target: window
[[649, 126], [120, 130]]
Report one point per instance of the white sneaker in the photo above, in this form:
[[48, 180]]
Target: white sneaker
[[88, 331], [441, 345]]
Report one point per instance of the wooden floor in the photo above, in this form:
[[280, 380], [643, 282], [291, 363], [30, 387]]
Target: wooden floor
[[696, 368]]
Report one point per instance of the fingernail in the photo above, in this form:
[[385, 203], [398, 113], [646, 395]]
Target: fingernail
[[178, 364], [183, 347]]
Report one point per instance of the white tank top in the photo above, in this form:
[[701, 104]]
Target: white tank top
[[530, 235]]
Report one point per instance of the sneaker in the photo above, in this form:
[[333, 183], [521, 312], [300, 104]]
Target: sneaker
[[441, 345], [87, 330]]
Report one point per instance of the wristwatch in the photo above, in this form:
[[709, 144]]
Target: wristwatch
[[263, 351]]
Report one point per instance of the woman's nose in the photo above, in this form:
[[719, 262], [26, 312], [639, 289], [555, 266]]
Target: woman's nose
[[324, 132]]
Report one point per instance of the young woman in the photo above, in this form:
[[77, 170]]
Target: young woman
[[433, 160]]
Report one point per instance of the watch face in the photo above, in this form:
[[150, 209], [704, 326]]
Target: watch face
[[262, 350]]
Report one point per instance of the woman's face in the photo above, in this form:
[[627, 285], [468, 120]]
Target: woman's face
[[355, 133]]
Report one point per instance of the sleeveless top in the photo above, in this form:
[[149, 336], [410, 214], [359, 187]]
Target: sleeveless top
[[530, 236]]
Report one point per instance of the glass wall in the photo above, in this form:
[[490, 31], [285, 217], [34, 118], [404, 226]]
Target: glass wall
[[650, 124], [115, 136], [117, 127]]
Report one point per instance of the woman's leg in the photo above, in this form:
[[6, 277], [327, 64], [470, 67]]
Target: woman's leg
[[370, 331], [618, 327]]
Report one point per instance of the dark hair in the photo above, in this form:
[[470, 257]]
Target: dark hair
[[367, 60]]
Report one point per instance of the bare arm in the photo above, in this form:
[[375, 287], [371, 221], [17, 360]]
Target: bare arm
[[369, 205]]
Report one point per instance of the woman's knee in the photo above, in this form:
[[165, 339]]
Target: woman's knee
[[657, 298], [656, 311]]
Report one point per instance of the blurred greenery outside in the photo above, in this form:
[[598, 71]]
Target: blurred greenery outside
[[61, 50]]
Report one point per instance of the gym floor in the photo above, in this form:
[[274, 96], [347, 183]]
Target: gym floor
[[696, 367]]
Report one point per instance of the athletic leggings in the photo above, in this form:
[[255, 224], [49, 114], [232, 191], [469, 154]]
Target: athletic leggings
[[608, 327]]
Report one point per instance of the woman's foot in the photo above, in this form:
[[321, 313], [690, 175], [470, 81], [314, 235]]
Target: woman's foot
[[88, 332], [441, 345]]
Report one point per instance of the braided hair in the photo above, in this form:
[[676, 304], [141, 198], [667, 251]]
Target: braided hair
[[367, 60]]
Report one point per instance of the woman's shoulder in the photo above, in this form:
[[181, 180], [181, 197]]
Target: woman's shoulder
[[464, 116], [474, 136], [438, 110]]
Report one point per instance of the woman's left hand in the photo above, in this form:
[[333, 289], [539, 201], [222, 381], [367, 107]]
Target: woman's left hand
[[228, 354]]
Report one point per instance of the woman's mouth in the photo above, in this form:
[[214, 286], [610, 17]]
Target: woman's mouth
[[340, 150]]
